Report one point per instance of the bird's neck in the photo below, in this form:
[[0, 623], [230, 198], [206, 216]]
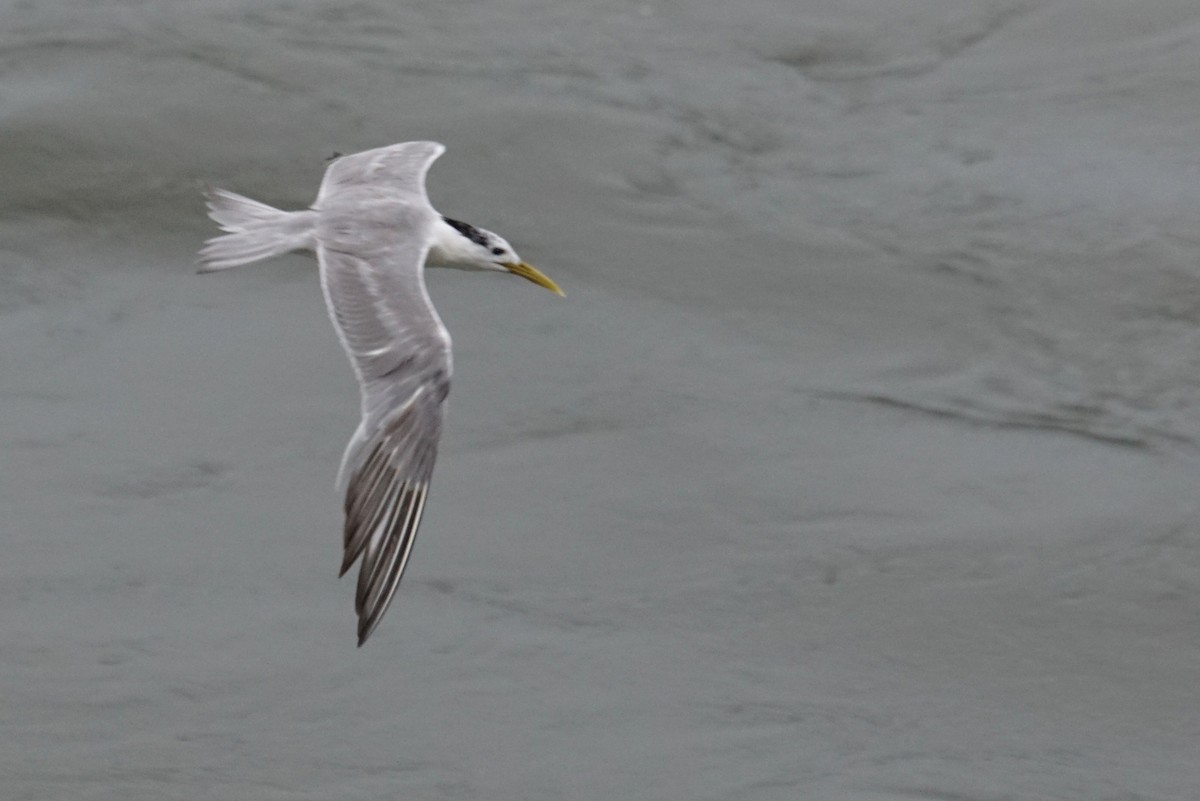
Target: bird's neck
[[449, 248]]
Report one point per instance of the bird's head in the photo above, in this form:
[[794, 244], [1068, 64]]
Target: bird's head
[[463, 246]]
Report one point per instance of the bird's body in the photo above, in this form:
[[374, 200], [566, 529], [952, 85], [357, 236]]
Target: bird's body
[[373, 230]]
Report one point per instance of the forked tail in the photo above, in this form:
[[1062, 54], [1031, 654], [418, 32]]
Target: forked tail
[[255, 231]]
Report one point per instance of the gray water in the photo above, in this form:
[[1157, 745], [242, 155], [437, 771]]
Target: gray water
[[859, 462]]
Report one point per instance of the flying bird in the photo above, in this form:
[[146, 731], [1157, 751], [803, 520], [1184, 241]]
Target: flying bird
[[373, 231]]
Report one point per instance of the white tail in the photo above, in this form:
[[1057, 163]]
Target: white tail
[[256, 231]]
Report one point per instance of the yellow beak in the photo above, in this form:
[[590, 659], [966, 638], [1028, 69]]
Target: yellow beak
[[533, 274]]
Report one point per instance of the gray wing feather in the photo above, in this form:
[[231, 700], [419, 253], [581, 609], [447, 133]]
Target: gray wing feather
[[372, 276], [397, 168]]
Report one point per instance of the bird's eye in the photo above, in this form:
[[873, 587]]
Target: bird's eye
[[497, 251]]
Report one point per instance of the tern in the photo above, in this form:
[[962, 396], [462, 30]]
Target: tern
[[374, 231]]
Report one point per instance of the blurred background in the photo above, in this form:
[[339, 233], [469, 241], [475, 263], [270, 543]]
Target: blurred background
[[858, 463]]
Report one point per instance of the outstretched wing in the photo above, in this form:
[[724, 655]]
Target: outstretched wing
[[401, 353], [399, 168]]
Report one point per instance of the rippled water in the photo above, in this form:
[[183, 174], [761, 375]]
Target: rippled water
[[858, 463]]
